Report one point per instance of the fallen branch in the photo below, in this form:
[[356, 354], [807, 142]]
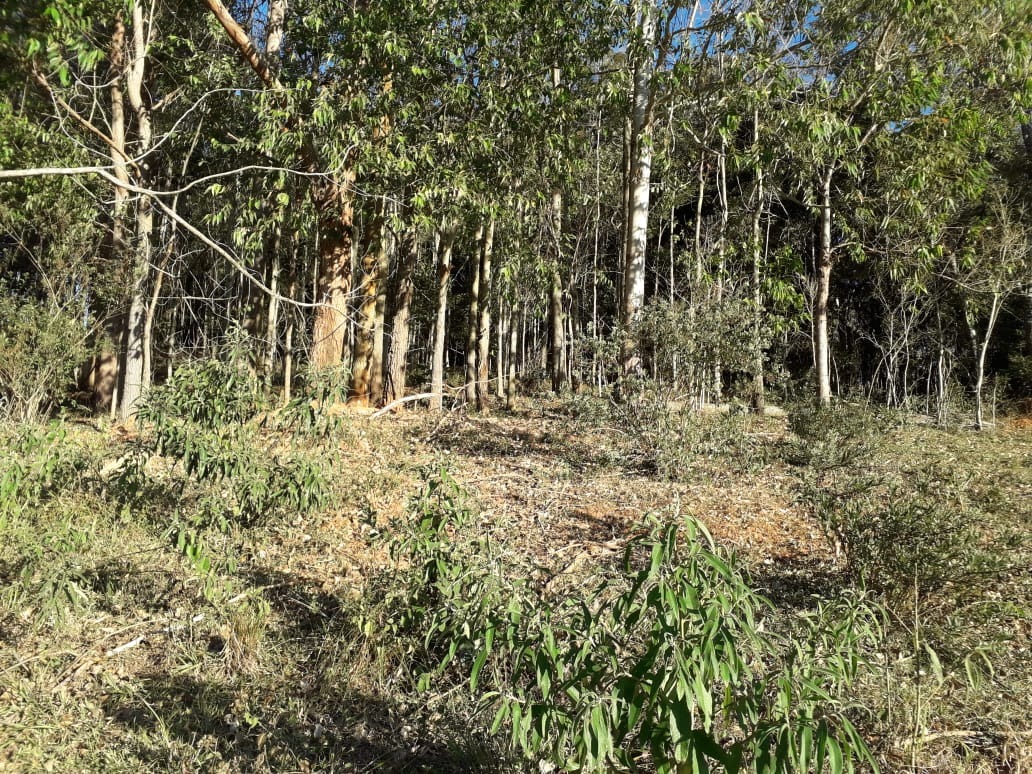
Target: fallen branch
[[394, 404], [126, 646]]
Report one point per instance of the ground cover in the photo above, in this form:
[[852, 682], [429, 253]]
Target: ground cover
[[146, 625]]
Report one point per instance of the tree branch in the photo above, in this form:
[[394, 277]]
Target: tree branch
[[245, 45]]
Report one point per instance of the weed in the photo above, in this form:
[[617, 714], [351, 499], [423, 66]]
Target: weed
[[665, 658]]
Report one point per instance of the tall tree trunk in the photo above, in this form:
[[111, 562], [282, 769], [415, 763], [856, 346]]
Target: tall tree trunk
[[718, 285], [274, 265], [364, 359], [637, 222], [445, 242], [510, 382], [484, 320], [119, 157], [501, 363], [473, 321], [758, 397], [397, 356], [288, 350], [556, 339], [135, 341], [335, 211], [822, 350]]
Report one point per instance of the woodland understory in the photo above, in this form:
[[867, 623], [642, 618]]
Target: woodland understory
[[312, 591], [454, 385]]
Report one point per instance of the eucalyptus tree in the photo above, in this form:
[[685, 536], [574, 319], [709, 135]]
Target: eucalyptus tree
[[93, 63], [864, 70]]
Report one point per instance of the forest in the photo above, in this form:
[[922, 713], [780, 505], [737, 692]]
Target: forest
[[510, 385]]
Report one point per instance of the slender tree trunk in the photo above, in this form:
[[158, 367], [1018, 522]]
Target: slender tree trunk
[[444, 260], [981, 348], [822, 350], [483, 390], [556, 344], [718, 285], [637, 223], [473, 321], [758, 397], [510, 382], [397, 356], [275, 265], [501, 332], [288, 351], [119, 157], [134, 357]]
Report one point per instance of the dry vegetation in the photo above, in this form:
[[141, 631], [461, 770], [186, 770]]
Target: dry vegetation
[[137, 635]]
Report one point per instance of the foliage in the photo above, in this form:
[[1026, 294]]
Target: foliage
[[205, 417], [685, 342], [315, 413], [40, 462], [833, 437], [48, 574], [42, 345], [665, 658], [674, 440]]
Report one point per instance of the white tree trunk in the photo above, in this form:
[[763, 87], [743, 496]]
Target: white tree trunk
[[639, 185]]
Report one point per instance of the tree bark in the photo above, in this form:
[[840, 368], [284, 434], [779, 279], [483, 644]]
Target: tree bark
[[822, 350], [334, 208], [366, 360], [637, 222], [484, 320], [473, 321], [758, 396], [135, 340], [556, 339], [397, 356], [444, 260], [510, 382]]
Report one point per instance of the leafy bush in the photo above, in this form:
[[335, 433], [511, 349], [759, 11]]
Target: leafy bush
[[311, 414], [41, 345], [897, 532], [666, 659], [671, 439], [39, 463], [683, 341], [836, 436], [206, 417]]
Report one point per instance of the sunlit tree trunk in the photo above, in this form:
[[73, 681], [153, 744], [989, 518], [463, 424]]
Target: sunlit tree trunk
[[473, 321], [510, 382], [335, 213], [556, 327], [484, 319], [133, 357], [758, 397], [822, 349], [446, 240], [365, 360], [637, 223], [397, 356]]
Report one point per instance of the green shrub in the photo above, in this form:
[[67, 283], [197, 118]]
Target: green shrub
[[207, 417], [898, 532], [39, 462], [666, 658], [41, 344], [671, 439], [310, 414], [836, 436]]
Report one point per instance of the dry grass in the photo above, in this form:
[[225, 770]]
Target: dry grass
[[262, 664]]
